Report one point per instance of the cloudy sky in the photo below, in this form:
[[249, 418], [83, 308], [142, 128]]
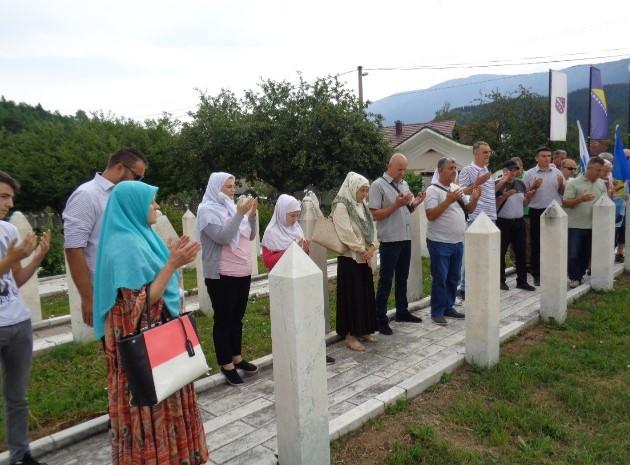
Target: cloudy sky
[[138, 58]]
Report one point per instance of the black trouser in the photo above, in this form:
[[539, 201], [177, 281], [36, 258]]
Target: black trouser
[[534, 228], [513, 232], [228, 295]]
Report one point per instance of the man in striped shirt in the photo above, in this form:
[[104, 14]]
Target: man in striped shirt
[[477, 175], [82, 219]]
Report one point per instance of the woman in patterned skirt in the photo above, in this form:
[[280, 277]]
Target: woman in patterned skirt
[[131, 258]]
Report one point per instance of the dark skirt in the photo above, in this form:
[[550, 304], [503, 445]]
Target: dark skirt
[[356, 307]]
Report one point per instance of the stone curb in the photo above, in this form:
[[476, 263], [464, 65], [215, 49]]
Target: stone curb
[[337, 427]]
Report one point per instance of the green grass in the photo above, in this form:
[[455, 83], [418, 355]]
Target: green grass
[[564, 400]]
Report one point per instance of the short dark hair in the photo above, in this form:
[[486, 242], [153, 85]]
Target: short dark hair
[[596, 161], [542, 149], [7, 179], [517, 160], [559, 152], [478, 144], [127, 156], [445, 161]]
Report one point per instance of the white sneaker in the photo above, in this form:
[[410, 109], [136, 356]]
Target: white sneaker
[[459, 302], [573, 283]]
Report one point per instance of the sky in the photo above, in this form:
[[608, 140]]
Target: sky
[[139, 58]]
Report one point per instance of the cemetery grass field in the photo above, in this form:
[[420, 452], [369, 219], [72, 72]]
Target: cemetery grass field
[[68, 382], [558, 396]]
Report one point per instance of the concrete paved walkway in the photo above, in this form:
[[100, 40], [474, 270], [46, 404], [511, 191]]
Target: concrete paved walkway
[[240, 422]]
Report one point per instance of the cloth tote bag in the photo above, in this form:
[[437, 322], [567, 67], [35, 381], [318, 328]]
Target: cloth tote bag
[[161, 358], [325, 235]]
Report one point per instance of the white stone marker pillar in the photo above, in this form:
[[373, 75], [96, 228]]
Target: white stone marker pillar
[[603, 244], [299, 366], [188, 229], [626, 264], [30, 289], [414, 280], [308, 217], [202, 291], [80, 331], [255, 247], [424, 223], [553, 263], [481, 249]]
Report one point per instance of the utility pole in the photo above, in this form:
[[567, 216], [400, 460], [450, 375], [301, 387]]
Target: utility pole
[[360, 73]]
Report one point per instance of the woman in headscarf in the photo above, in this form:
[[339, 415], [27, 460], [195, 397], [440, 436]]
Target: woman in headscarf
[[283, 230], [131, 258], [356, 308], [226, 230]]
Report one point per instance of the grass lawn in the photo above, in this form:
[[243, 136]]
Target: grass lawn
[[559, 395], [68, 382]]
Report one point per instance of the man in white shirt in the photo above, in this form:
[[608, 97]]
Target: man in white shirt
[[16, 333], [446, 208], [82, 219]]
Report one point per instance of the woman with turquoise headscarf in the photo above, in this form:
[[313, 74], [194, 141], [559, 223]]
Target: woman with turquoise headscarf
[[131, 257]]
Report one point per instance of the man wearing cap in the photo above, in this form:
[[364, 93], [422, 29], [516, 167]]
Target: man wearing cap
[[512, 196]]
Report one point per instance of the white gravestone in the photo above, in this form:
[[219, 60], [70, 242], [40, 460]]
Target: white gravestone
[[299, 366], [205, 305], [30, 289], [309, 215], [188, 229], [414, 280], [255, 247], [80, 331], [424, 223], [553, 263], [603, 244], [481, 248], [166, 231]]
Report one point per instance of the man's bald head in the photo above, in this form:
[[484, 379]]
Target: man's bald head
[[397, 166]]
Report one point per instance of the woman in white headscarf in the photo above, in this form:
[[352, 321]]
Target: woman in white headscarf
[[283, 230], [225, 230], [356, 308]]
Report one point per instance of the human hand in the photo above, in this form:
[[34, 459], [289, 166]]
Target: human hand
[[17, 252], [403, 199], [586, 197], [87, 312], [509, 176], [481, 179], [183, 251], [44, 245], [244, 205], [368, 254], [476, 193], [306, 245], [537, 183], [254, 207], [453, 196], [418, 199]]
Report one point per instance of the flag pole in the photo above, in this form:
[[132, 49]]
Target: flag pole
[[590, 98]]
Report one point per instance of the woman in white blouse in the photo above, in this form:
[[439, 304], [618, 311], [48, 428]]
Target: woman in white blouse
[[356, 309]]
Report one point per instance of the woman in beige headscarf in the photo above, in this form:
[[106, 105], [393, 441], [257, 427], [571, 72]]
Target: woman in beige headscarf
[[356, 308]]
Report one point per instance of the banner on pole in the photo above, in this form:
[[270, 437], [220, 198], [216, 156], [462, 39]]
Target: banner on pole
[[558, 103], [599, 109]]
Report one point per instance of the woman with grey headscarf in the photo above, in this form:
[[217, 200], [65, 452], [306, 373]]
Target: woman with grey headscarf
[[356, 307], [225, 230]]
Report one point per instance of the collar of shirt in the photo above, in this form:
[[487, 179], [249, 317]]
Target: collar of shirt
[[387, 177], [540, 170], [477, 166], [103, 182]]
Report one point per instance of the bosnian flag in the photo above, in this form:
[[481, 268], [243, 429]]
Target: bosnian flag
[[599, 109], [584, 156], [558, 104]]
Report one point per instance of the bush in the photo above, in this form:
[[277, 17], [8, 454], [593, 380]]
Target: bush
[[53, 263], [414, 180]]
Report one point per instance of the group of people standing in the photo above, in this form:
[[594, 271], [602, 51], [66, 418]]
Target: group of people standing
[[120, 266]]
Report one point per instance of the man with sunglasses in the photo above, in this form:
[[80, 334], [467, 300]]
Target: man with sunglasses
[[568, 169], [82, 219]]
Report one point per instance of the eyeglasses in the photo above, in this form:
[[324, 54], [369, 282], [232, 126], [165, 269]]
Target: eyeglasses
[[570, 168], [136, 176]]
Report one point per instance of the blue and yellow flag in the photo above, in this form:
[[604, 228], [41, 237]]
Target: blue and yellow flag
[[599, 109]]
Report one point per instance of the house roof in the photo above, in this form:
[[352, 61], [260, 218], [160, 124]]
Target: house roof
[[443, 127]]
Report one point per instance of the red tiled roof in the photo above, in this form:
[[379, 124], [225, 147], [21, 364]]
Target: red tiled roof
[[408, 130]]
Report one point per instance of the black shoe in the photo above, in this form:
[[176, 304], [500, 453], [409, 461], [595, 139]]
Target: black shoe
[[408, 318], [28, 459], [246, 367], [504, 287], [384, 329], [525, 287], [536, 281], [439, 320], [452, 313], [329, 360], [232, 377], [461, 294], [619, 258]]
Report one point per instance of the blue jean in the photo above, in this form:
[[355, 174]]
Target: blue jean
[[446, 264], [579, 252], [395, 258], [16, 351]]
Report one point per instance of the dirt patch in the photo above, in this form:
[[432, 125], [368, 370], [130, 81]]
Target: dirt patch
[[525, 341]]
